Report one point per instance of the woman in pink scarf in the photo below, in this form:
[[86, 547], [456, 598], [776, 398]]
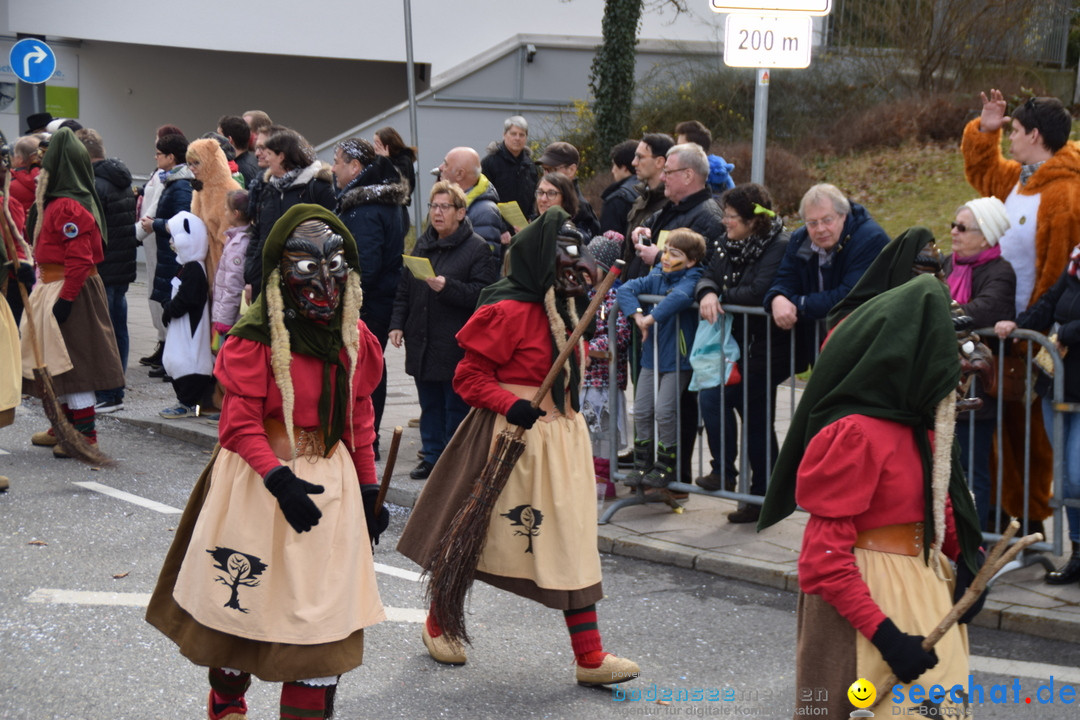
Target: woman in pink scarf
[[984, 284]]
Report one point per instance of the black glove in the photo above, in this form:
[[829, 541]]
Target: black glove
[[292, 496], [375, 525], [903, 652], [25, 274], [964, 578], [61, 310], [524, 414]]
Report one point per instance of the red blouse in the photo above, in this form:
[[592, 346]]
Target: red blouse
[[858, 473], [69, 237], [243, 368]]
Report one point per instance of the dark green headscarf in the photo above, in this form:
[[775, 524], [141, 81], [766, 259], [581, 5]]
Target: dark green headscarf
[[306, 337], [891, 268], [70, 175], [532, 271], [893, 358]]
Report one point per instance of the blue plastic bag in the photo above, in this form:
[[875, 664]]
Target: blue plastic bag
[[714, 353]]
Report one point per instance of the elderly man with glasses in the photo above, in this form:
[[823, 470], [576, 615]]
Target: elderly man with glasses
[[824, 260]]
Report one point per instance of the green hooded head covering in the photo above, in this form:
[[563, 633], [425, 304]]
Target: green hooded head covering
[[323, 341], [532, 273], [891, 268], [894, 358], [68, 172]]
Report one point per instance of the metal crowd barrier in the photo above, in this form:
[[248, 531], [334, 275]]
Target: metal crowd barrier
[[741, 493]]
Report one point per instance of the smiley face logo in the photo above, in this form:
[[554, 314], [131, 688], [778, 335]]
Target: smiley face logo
[[862, 693]]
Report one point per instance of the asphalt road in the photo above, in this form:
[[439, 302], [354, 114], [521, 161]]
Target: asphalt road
[[76, 565]]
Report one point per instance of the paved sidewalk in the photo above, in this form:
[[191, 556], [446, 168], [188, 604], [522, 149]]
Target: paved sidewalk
[[699, 538]]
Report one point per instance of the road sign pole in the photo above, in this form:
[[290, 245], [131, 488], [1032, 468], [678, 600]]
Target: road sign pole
[[761, 115], [31, 96]]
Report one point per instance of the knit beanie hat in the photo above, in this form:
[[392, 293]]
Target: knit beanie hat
[[990, 214], [606, 249]]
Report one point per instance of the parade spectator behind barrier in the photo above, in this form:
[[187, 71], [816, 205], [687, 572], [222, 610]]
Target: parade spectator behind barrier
[[212, 184], [596, 403], [187, 358], [239, 135], [461, 166], [112, 182], [293, 485], [554, 189], [740, 273], [562, 157], [984, 284], [1040, 187], [259, 122], [175, 197], [388, 143], [858, 457], [719, 178], [675, 323], [823, 261], [229, 277], [146, 207], [370, 199], [649, 160], [510, 167], [293, 176], [1058, 311], [26, 165], [69, 307], [620, 195], [429, 312], [230, 156]]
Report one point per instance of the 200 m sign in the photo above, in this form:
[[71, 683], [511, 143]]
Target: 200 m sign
[[781, 41]]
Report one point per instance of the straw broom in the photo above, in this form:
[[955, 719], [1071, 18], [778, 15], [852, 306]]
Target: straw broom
[[71, 440], [453, 570]]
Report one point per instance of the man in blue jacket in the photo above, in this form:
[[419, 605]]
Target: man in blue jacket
[[824, 260]]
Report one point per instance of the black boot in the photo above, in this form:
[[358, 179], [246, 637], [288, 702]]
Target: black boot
[[663, 471], [153, 358], [1069, 572], [643, 461]]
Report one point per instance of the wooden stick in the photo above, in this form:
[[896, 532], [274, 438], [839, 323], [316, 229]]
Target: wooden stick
[[388, 471]]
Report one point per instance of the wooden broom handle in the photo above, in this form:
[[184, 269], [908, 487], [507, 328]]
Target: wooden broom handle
[[579, 330]]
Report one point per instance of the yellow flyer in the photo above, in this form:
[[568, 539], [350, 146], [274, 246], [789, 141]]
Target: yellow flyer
[[512, 214], [661, 241], [420, 267]]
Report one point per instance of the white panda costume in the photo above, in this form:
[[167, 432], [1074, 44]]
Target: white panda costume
[[187, 339]]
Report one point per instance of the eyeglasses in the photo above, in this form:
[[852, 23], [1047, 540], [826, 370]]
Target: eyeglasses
[[827, 221], [441, 207], [550, 194], [963, 228], [669, 170]]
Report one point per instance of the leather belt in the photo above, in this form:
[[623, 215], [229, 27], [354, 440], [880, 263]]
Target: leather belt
[[309, 443], [51, 272], [903, 539]]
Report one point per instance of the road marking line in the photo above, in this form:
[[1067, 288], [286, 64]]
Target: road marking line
[[397, 572], [4, 452], [1020, 668], [128, 497], [52, 596]]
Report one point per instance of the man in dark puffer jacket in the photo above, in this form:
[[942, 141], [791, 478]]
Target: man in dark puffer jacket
[[113, 183]]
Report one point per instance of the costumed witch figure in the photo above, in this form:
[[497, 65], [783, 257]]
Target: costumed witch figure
[[69, 308], [271, 571], [870, 455], [541, 538]]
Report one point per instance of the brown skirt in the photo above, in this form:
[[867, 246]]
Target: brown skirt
[[269, 661], [453, 478], [87, 335]]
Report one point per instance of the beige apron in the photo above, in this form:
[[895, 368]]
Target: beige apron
[[543, 525], [915, 599], [248, 573], [55, 354], [10, 365]]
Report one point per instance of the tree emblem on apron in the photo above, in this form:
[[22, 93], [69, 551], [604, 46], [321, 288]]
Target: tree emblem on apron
[[241, 570], [528, 518]]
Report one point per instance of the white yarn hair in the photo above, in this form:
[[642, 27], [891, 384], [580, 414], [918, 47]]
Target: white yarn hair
[[944, 430], [281, 353], [558, 329], [350, 337], [39, 201]]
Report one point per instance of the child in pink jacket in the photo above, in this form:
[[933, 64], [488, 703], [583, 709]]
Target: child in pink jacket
[[229, 276]]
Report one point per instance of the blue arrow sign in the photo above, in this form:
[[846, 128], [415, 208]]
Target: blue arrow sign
[[32, 61]]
